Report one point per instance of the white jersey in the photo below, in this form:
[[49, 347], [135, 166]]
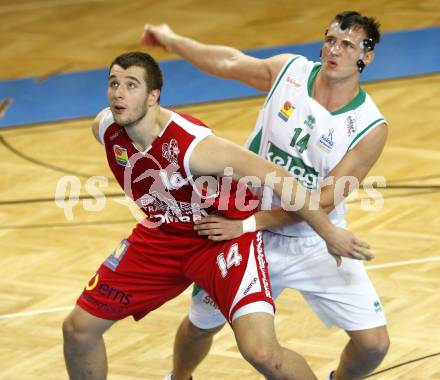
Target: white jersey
[[296, 132]]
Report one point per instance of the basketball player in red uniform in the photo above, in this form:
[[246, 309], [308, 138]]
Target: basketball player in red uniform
[[171, 165]]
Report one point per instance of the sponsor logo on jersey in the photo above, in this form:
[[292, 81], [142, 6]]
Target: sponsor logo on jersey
[[262, 265], [102, 306], [110, 292], [93, 282], [293, 81], [326, 141], [171, 151], [208, 303], [167, 210], [303, 173], [351, 126], [310, 122], [121, 156], [174, 181], [249, 287], [377, 306], [286, 111], [116, 134], [115, 258]]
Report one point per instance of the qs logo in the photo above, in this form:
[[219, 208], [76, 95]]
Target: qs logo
[[93, 282]]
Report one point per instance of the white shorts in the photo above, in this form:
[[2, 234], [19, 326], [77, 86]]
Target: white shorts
[[340, 296]]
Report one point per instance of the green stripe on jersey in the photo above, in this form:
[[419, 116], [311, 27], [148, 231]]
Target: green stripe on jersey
[[279, 78], [196, 289], [353, 104], [365, 131], [312, 78], [254, 146]]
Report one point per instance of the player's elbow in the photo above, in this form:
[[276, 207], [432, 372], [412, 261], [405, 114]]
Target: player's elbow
[[328, 204], [229, 66], [328, 208]]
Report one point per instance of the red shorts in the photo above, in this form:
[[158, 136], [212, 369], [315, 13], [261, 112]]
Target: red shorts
[[152, 267]]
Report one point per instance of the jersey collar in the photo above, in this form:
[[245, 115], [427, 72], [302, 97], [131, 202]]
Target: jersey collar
[[353, 104]]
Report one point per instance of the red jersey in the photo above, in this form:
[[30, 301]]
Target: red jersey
[[159, 179], [156, 264]]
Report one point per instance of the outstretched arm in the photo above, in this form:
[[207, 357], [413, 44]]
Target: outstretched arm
[[244, 163], [220, 61], [341, 181], [355, 165]]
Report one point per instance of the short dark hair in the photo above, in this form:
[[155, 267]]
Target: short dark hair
[[153, 73], [350, 19]]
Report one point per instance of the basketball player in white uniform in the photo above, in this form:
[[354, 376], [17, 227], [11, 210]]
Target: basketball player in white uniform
[[321, 126]]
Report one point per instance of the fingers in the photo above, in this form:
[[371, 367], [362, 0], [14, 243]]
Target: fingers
[[210, 228], [356, 252], [363, 253], [206, 226], [208, 219], [148, 37], [361, 243], [218, 237], [210, 231], [357, 256], [359, 253], [215, 234]]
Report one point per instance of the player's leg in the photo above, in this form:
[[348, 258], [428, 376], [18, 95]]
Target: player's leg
[[238, 280], [345, 298], [195, 334], [363, 353], [191, 345], [277, 360], [131, 282], [257, 342], [84, 349]]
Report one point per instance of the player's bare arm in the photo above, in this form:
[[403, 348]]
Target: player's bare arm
[[203, 162], [356, 164], [221, 61]]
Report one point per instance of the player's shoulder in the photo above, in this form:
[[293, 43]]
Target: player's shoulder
[[100, 124], [189, 119], [297, 61], [190, 124], [293, 74], [366, 107]]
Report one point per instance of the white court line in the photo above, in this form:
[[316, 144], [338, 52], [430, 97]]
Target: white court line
[[402, 263], [35, 312], [67, 308], [47, 311]]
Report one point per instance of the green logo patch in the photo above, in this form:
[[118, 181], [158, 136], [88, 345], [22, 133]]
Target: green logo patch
[[377, 306], [306, 175]]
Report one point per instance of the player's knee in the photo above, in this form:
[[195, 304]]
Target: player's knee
[[266, 358], [375, 348], [380, 347], [75, 337]]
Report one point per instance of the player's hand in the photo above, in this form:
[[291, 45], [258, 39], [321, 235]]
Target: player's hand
[[342, 243], [219, 228], [157, 35]]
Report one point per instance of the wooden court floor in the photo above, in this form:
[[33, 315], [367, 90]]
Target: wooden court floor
[[47, 259]]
